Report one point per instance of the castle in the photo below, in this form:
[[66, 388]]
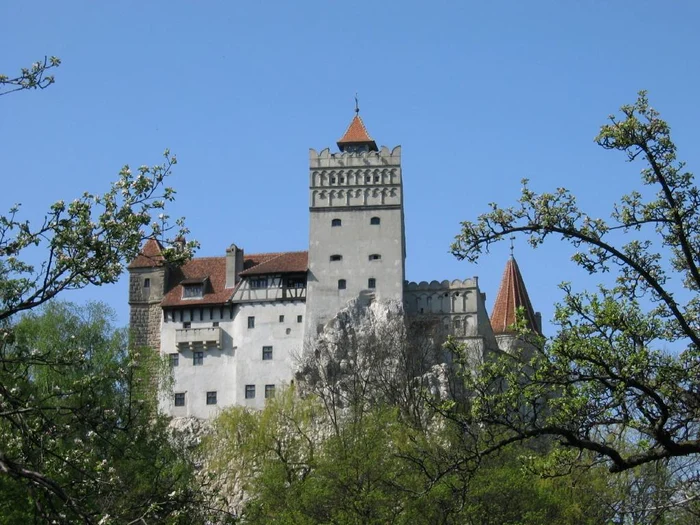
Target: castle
[[231, 326]]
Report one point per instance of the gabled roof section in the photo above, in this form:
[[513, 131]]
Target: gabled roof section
[[150, 256], [288, 262], [512, 295], [198, 270], [356, 134]]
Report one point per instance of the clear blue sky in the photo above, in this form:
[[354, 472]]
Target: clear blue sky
[[479, 94]]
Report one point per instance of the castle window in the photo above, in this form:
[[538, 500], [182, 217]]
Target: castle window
[[375, 220], [250, 391], [332, 180], [336, 257], [197, 358], [251, 322], [192, 288], [299, 318], [180, 399], [342, 180], [211, 398], [376, 178], [336, 222], [146, 283], [368, 179], [342, 284], [269, 391], [186, 324], [267, 353], [174, 359], [259, 282], [281, 319], [371, 282], [375, 257]]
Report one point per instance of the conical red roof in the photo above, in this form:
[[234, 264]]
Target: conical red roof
[[150, 256], [512, 294], [357, 134]]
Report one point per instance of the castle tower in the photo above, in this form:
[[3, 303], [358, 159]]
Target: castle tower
[[512, 295], [147, 286], [356, 233]]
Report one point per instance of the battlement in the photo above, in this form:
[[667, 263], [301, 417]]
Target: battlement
[[455, 284], [326, 159]]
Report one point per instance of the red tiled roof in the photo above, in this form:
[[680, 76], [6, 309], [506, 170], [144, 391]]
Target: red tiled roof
[[197, 270], [150, 256], [288, 262], [357, 134], [512, 294], [214, 268]]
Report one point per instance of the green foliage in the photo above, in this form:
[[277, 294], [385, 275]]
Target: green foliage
[[81, 438], [606, 378]]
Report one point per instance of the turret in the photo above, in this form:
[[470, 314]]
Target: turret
[[512, 295], [148, 275]]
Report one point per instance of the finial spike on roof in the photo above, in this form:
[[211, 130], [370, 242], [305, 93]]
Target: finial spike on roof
[[512, 238], [357, 104]]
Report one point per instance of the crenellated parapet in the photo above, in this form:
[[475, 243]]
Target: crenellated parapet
[[326, 159], [370, 178], [456, 304]]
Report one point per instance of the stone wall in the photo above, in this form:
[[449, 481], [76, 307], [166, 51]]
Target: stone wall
[[144, 322]]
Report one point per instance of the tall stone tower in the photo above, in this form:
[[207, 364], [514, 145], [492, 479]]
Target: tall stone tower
[[356, 233], [148, 276]]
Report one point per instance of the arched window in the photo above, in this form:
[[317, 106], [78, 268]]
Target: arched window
[[336, 222], [375, 257], [371, 283], [336, 257], [375, 220], [342, 284]]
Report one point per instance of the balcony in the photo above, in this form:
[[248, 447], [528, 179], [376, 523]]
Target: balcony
[[209, 336]]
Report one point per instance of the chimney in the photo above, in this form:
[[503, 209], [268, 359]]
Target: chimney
[[234, 265]]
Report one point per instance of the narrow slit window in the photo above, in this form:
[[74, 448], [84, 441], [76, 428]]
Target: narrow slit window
[[146, 283]]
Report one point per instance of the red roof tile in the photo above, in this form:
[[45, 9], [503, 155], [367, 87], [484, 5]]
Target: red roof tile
[[288, 262], [357, 134], [512, 294], [150, 256], [214, 268], [196, 270]]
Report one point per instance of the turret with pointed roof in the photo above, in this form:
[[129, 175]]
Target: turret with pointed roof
[[512, 295], [356, 137]]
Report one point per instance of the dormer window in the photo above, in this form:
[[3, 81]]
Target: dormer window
[[193, 288]]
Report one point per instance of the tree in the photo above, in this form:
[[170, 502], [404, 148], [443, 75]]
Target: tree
[[82, 439], [85, 242], [606, 380]]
